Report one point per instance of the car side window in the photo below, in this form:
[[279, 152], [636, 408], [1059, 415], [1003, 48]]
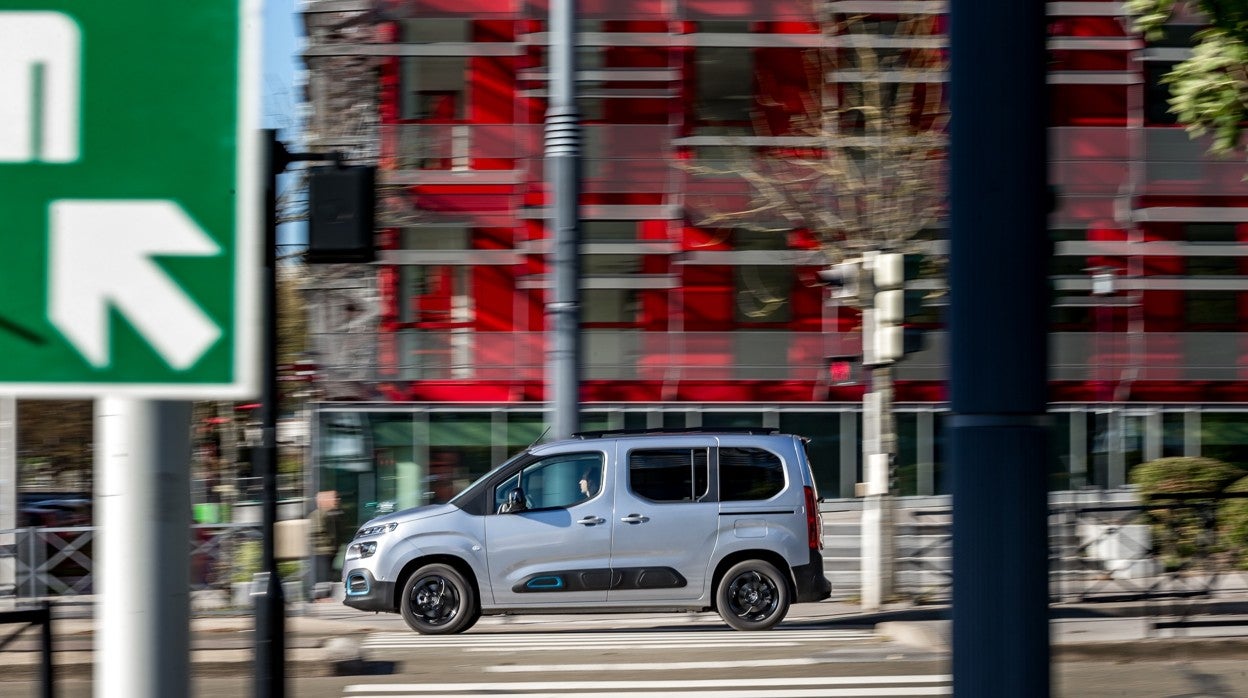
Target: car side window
[[747, 473], [551, 483], [669, 474]]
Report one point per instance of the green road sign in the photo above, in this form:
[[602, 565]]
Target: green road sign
[[130, 229]]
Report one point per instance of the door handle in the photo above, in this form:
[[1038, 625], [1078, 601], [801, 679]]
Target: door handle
[[635, 519], [591, 521]]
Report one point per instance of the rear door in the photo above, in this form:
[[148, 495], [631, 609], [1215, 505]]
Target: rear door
[[556, 549], [666, 521]]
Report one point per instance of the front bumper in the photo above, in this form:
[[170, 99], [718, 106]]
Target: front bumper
[[812, 584], [365, 593]]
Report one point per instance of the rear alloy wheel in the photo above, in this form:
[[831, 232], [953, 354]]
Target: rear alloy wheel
[[437, 600], [752, 595]]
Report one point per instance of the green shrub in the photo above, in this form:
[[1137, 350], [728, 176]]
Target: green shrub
[[1183, 474], [1183, 534], [247, 560], [1233, 515]]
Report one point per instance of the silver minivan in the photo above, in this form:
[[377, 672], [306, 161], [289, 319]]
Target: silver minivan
[[616, 521]]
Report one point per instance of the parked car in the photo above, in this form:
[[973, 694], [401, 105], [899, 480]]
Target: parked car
[[677, 520]]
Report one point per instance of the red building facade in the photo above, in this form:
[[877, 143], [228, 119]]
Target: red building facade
[[683, 321]]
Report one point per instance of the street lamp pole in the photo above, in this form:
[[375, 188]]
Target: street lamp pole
[[270, 605]]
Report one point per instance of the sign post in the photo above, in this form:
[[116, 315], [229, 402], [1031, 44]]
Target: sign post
[[131, 222]]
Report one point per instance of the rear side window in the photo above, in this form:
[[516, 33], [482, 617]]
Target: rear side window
[[669, 474], [749, 474]]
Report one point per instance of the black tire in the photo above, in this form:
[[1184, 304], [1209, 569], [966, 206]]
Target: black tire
[[437, 600], [752, 595]]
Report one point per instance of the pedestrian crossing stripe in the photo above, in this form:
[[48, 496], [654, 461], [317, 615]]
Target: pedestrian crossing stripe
[[528, 641], [781, 687]]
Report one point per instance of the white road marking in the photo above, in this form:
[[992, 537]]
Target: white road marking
[[653, 666], [526, 641], [783, 687]]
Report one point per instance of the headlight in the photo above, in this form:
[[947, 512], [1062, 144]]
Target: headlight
[[376, 530], [357, 551]]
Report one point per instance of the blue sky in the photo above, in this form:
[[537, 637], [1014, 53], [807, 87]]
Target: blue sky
[[281, 27], [282, 33]]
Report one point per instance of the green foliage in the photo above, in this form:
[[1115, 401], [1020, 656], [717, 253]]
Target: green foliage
[[1183, 474], [1209, 91], [1183, 535], [1233, 515], [1149, 15], [247, 561]]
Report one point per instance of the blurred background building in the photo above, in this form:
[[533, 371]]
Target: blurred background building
[[429, 364]]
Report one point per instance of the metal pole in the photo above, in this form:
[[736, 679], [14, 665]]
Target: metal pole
[[8, 493], [998, 333], [878, 530], [142, 550], [563, 153], [270, 606], [46, 673]]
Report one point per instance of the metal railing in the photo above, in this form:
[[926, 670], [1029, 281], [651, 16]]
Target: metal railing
[[1169, 547], [58, 561], [40, 616], [1177, 546], [1101, 550]]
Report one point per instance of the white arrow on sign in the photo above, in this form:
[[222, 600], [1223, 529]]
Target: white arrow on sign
[[101, 254]]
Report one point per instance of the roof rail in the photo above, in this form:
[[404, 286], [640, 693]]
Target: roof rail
[[674, 430]]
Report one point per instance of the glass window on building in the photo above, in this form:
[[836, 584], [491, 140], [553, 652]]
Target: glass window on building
[[675, 419], [523, 430], [1211, 310], [371, 461], [731, 420], [612, 307], [435, 294], [1134, 427], [434, 89], [1060, 464], [1099, 446], [762, 290], [906, 465], [346, 460], [460, 451], [1173, 434], [941, 475], [1209, 232], [1224, 437], [824, 449], [724, 89]]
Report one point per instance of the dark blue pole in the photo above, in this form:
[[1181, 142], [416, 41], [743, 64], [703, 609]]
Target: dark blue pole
[[998, 338], [270, 606]]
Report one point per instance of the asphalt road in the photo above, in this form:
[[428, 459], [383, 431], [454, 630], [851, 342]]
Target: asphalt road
[[696, 660], [1208, 679]]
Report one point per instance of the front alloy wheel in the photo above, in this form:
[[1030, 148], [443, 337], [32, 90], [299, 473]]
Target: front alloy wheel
[[752, 595], [437, 600]]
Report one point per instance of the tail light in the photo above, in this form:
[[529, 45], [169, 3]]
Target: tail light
[[814, 522]]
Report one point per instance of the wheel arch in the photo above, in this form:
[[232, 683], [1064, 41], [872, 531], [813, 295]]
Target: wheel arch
[[409, 568], [733, 558]]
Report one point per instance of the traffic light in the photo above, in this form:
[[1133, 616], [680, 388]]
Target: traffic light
[[340, 214], [842, 277], [841, 369], [895, 306]]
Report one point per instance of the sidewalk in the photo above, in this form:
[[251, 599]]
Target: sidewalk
[[324, 638]]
